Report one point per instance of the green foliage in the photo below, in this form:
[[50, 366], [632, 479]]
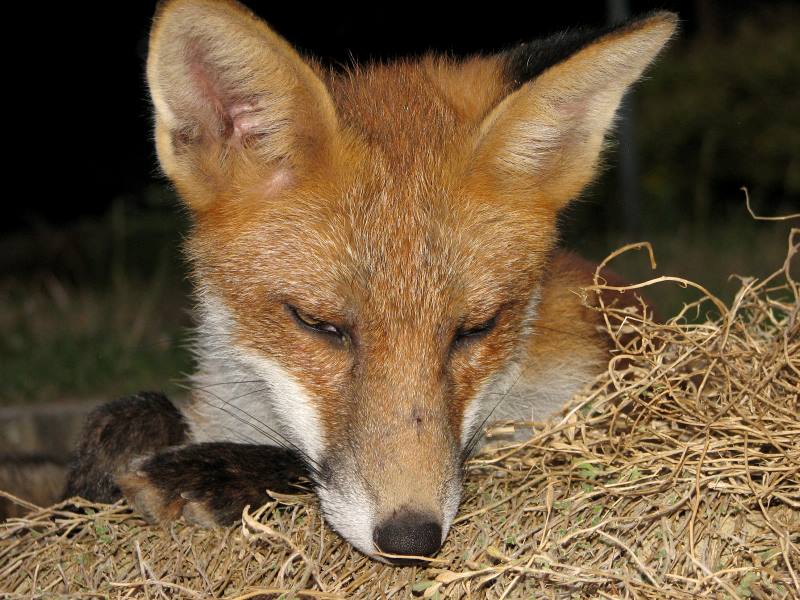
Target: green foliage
[[93, 311]]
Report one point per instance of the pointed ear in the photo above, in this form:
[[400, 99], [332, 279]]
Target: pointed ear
[[234, 103], [546, 137]]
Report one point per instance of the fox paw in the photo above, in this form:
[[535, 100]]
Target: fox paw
[[157, 499], [207, 484]]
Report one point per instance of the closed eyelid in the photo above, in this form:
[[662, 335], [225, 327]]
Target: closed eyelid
[[469, 324], [482, 318], [313, 312], [318, 326], [478, 330], [308, 317]]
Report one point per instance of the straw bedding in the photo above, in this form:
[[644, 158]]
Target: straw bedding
[[675, 475]]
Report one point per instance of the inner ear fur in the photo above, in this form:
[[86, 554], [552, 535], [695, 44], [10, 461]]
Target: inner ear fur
[[233, 100], [546, 136]]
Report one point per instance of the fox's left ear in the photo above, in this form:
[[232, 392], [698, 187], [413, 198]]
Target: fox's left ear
[[547, 135], [235, 105]]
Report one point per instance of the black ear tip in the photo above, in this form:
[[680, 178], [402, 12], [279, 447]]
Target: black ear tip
[[527, 61]]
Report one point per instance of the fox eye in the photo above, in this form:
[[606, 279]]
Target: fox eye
[[307, 321], [464, 334]]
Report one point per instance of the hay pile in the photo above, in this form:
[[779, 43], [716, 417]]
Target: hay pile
[[676, 475]]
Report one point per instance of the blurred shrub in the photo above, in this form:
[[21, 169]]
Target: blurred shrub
[[719, 112]]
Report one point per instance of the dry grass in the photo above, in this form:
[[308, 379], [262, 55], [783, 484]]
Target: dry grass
[[676, 475]]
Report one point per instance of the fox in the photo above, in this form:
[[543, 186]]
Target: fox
[[376, 267]]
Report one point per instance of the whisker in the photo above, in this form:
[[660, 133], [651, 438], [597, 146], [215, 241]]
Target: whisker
[[242, 437], [237, 382], [269, 433], [477, 434], [267, 436], [203, 388], [277, 442], [281, 439]]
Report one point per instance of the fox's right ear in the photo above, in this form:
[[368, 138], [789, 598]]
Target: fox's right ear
[[544, 139], [234, 103]]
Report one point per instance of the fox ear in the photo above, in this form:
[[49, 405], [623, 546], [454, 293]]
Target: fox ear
[[546, 136], [233, 101]]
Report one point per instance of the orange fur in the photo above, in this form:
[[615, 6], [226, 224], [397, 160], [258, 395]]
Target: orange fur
[[400, 203]]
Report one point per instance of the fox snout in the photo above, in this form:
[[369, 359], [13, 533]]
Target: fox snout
[[412, 529], [393, 484], [405, 531]]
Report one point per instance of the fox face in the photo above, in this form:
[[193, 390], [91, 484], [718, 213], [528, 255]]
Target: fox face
[[376, 303], [373, 250]]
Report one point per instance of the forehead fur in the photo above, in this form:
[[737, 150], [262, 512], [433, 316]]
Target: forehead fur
[[413, 111], [400, 207]]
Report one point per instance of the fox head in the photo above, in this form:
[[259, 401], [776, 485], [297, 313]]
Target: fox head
[[369, 245]]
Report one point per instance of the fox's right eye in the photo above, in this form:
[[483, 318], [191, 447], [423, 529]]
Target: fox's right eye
[[308, 322], [478, 331]]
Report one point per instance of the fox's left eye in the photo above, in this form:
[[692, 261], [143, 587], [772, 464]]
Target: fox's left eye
[[464, 334], [314, 324]]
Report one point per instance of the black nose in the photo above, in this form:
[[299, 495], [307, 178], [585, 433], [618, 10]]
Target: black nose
[[408, 533]]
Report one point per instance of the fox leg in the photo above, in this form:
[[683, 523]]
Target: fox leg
[[210, 483], [114, 435], [139, 447]]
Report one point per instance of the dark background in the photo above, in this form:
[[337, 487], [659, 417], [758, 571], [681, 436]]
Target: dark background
[[92, 286], [89, 85]]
